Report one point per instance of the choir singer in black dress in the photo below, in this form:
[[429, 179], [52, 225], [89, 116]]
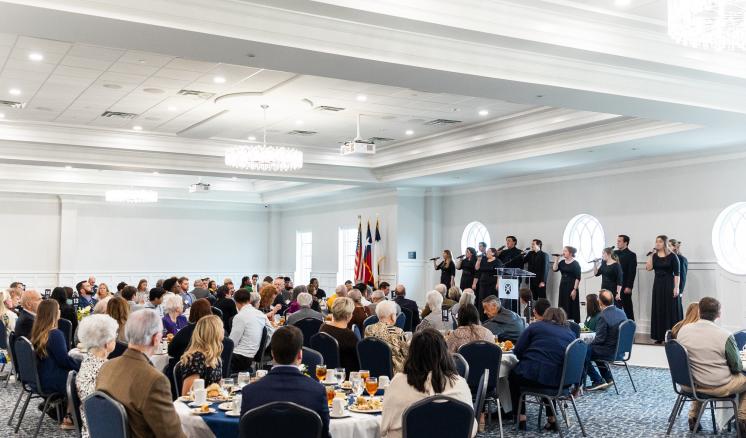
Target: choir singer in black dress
[[486, 284], [467, 264], [447, 269], [537, 261], [628, 262], [509, 255], [675, 246], [569, 299], [611, 274], [666, 309]]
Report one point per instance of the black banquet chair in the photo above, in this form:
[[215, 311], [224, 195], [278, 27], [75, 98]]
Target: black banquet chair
[[481, 356], [623, 350], [106, 416], [438, 417], [74, 401], [375, 355], [462, 366], [309, 327], [311, 358], [325, 344], [740, 338], [296, 421], [119, 349], [66, 327], [481, 394], [226, 356]]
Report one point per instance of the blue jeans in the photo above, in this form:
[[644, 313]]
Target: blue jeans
[[590, 371]]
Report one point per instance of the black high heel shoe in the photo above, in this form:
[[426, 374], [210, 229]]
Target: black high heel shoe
[[552, 427]]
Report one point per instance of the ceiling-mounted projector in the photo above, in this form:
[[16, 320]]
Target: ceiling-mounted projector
[[358, 145]]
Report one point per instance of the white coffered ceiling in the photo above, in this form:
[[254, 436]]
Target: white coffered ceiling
[[556, 78]]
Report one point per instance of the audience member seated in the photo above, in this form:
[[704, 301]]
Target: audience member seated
[[603, 346], [285, 382], [7, 316], [439, 317], [119, 309], [502, 322], [100, 307], [246, 332], [541, 354], [340, 291], [359, 313], [524, 298], [714, 360], [12, 300], [179, 344], [593, 311], [173, 320], [143, 295], [102, 291], [226, 305], [202, 358], [98, 335], [469, 329], [467, 297], [67, 311], [315, 290], [30, 300], [454, 294], [304, 311], [133, 381], [540, 306], [51, 349], [406, 303], [200, 291], [337, 328], [692, 316], [155, 300], [85, 295], [129, 293], [268, 295], [429, 370], [446, 302], [386, 330]]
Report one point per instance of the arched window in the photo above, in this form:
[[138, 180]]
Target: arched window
[[729, 238], [585, 233], [474, 233]]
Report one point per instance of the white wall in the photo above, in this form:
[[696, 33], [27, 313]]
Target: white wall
[[682, 202]]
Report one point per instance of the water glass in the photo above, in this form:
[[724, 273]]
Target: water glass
[[357, 385], [228, 384], [237, 403], [340, 372]]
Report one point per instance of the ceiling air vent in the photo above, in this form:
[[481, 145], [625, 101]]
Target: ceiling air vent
[[11, 104], [301, 132], [334, 109], [379, 139], [118, 115], [196, 93], [441, 122]]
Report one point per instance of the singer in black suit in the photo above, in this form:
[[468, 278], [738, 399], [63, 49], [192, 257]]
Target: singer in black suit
[[568, 289], [447, 269], [667, 309], [467, 264], [537, 261], [611, 274], [628, 262], [487, 281], [509, 255], [675, 246]]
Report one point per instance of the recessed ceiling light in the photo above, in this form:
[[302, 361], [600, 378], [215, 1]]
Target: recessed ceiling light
[[14, 91], [68, 167], [622, 3], [299, 122], [137, 128], [156, 173], [234, 179], [35, 56], [172, 108], [361, 98], [252, 138], [2, 115], [483, 112], [218, 80], [409, 132]]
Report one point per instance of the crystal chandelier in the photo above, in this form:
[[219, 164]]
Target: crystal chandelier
[[264, 158], [132, 196], [708, 24]]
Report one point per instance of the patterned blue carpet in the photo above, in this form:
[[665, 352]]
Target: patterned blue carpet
[[605, 414]]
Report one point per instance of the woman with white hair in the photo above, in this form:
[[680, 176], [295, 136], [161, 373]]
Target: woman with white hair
[[440, 320], [337, 328], [467, 297], [7, 316], [173, 321], [98, 334], [386, 330]]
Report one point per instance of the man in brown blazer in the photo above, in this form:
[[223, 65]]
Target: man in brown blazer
[[133, 381]]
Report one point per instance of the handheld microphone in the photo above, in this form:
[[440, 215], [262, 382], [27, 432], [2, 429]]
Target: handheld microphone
[[595, 260], [527, 249], [434, 258], [501, 248], [461, 257], [556, 255], [650, 253]]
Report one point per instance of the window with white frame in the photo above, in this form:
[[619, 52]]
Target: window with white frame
[[729, 238], [347, 246], [303, 257], [585, 233], [474, 233]]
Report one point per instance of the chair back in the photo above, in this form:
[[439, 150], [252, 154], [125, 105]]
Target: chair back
[[408, 319], [482, 355], [119, 350], [106, 416], [226, 356], [678, 364], [481, 394], [12, 349], [309, 327], [572, 368], [372, 319], [668, 336], [401, 320], [625, 340], [218, 312], [178, 378], [375, 355], [311, 358], [25, 358], [325, 344], [356, 330], [263, 342], [438, 417], [73, 399], [575, 327], [296, 421], [3, 337], [462, 366], [740, 338], [66, 327]]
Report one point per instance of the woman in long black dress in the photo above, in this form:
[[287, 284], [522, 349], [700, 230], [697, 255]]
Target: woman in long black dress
[[487, 280], [447, 269], [467, 265], [675, 246], [611, 274], [568, 287], [666, 309]]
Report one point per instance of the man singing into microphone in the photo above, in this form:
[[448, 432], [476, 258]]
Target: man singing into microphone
[[628, 263], [509, 255], [537, 261]]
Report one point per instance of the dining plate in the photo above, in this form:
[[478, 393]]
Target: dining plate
[[198, 411], [345, 415], [196, 405], [232, 414], [366, 411], [227, 406]]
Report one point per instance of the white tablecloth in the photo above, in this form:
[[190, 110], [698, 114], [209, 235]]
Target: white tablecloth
[[160, 361], [587, 337], [355, 426], [509, 361]]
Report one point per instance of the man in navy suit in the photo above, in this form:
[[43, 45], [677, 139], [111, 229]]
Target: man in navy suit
[[285, 382], [603, 346]]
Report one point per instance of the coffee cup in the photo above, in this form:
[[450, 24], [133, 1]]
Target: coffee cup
[[198, 384], [261, 373], [383, 382], [338, 407], [200, 396]]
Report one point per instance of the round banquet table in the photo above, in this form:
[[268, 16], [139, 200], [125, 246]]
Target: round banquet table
[[160, 361], [587, 337], [508, 362], [218, 425]]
